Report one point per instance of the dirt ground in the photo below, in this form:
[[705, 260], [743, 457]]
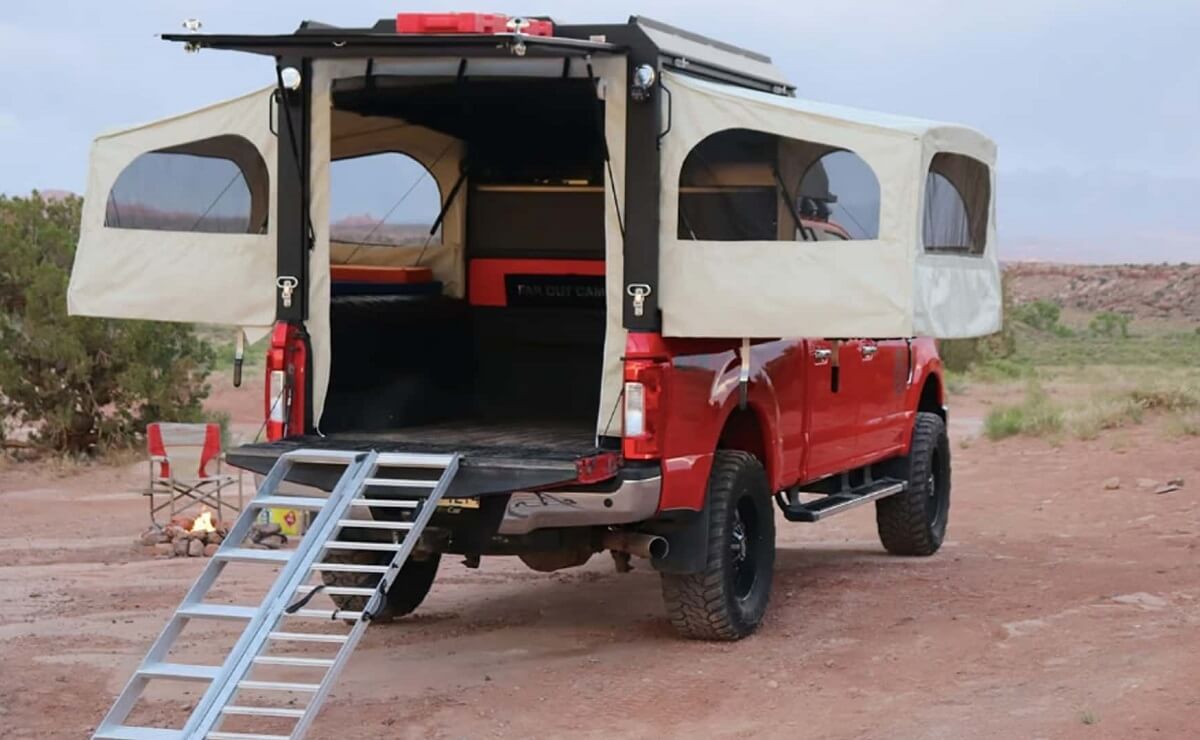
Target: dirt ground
[[1057, 609]]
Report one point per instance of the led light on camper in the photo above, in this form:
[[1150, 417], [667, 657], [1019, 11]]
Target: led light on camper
[[277, 389], [290, 76], [635, 409], [644, 78]]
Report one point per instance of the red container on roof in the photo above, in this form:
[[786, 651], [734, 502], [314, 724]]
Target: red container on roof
[[435, 23]]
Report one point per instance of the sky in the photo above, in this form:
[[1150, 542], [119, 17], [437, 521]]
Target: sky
[[1095, 104]]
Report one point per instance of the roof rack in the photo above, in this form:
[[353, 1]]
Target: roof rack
[[679, 50]]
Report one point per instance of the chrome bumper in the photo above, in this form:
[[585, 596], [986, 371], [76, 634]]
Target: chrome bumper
[[633, 501]]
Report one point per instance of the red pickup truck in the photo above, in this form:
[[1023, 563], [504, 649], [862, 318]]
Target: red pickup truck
[[628, 228]]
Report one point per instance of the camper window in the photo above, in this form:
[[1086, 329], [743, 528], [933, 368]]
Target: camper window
[[742, 185], [957, 193], [218, 185], [383, 199]]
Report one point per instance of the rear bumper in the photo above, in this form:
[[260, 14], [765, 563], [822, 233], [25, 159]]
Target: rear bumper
[[632, 497]]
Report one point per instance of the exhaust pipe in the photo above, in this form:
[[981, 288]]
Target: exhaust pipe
[[636, 543]]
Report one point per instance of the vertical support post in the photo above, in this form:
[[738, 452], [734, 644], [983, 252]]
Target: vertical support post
[[643, 120], [294, 225]]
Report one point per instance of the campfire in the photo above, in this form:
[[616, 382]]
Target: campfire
[[186, 536]]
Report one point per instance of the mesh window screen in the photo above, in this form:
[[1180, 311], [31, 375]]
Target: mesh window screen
[[742, 185], [957, 193], [216, 185], [384, 199]]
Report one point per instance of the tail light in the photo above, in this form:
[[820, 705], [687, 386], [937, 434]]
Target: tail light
[[645, 389], [287, 362]]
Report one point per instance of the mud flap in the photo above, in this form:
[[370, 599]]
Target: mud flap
[[687, 533]]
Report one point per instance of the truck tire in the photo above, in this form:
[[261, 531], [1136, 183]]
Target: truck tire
[[914, 522], [409, 589], [727, 600]]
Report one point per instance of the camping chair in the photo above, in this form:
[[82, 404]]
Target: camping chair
[[185, 467]]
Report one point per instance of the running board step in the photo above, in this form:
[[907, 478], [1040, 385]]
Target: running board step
[[836, 503]]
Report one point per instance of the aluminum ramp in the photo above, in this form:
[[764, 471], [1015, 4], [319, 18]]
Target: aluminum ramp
[[411, 483]]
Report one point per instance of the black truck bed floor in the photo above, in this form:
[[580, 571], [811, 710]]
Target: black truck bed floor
[[496, 457]]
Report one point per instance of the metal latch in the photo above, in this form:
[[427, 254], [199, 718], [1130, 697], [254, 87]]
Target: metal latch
[[639, 292], [287, 285]]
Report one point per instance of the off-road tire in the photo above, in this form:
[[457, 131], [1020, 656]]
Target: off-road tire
[[409, 589], [727, 600], [914, 522]]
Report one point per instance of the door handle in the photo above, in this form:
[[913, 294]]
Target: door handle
[[822, 356], [868, 351]]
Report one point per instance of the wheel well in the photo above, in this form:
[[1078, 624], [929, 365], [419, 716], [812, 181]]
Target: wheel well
[[744, 431], [931, 397]]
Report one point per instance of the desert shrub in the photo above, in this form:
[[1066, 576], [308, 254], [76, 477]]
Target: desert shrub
[[1102, 414], [1109, 324], [81, 384], [1036, 415], [1041, 314]]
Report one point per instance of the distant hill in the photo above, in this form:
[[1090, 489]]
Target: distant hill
[[1144, 291]]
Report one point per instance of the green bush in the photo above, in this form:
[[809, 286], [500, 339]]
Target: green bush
[[1041, 314], [1036, 416], [1109, 324], [81, 384]]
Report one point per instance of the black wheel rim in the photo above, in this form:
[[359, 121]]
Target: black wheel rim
[[743, 546], [936, 503]]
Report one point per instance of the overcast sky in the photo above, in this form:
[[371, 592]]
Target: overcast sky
[[1095, 104]]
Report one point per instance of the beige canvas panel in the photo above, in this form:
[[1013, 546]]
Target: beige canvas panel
[[176, 275], [863, 288]]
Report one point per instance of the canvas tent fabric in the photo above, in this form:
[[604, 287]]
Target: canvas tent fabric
[[889, 286], [181, 274]]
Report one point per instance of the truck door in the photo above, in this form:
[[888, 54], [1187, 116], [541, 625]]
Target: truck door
[[178, 222], [879, 380], [833, 405]]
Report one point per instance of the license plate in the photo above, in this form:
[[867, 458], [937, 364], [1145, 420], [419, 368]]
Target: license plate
[[458, 503]]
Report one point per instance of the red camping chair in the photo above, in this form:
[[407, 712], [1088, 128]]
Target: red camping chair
[[185, 467]]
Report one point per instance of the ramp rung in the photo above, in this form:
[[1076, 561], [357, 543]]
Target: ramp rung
[[217, 611], [290, 502], [126, 732], [263, 712], [180, 671], [248, 555], [299, 688], [350, 568], [385, 503], [373, 546], [330, 614], [307, 637], [322, 457], [338, 590], [375, 524], [295, 662], [244, 736], [399, 483], [414, 460]]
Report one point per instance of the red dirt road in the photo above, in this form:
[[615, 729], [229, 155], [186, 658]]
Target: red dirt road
[[1057, 609]]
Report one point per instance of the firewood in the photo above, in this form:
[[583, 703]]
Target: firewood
[[195, 548], [183, 521]]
